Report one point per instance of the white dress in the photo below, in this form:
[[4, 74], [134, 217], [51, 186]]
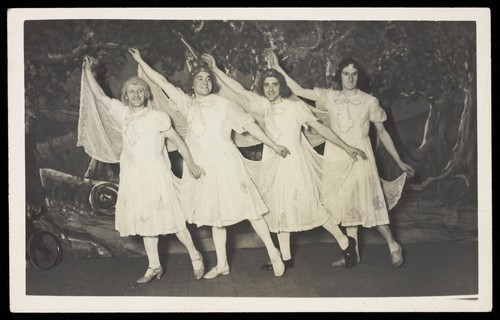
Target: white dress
[[293, 193], [147, 204], [226, 194], [360, 200]]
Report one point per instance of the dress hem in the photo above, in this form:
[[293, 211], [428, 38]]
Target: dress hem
[[302, 228], [173, 231]]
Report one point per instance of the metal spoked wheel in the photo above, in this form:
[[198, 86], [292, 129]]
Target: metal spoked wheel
[[103, 198], [44, 249]]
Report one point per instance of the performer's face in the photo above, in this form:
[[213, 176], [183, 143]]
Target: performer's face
[[135, 95], [202, 83], [349, 77], [271, 88]]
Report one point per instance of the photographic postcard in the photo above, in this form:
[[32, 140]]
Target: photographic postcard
[[431, 72]]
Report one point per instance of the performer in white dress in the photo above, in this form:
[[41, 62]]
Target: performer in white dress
[[360, 201], [225, 195], [293, 195], [147, 204]]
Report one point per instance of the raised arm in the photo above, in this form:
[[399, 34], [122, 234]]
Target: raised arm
[[194, 170], [294, 86], [171, 90], [227, 80], [331, 136], [389, 145], [96, 90]]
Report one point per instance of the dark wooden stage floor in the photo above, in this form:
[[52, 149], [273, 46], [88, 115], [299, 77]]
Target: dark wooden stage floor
[[431, 269]]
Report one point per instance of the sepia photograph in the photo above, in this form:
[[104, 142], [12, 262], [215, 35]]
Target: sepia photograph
[[249, 160]]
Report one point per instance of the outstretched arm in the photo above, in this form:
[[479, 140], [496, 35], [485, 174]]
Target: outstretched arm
[[155, 76], [96, 90], [230, 82], [194, 170], [254, 129], [389, 145], [294, 86], [331, 136]]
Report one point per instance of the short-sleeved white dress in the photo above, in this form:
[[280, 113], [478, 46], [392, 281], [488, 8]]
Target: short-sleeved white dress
[[293, 195], [360, 200], [226, 194], [147, 203]]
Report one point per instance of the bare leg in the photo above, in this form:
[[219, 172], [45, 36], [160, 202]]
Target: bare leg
[[196, 258], [185, 238], [385, 231], [219, 235], [337, 234], [394, 247], [260, 226], [284, 241], [220, 238], [151, 246], [155, 269]]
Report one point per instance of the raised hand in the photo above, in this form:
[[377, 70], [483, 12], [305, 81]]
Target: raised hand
[[209, 59], [271, 57], [135, 54], [88, 62]]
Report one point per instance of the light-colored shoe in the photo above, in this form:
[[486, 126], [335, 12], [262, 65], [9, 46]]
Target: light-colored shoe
[[158, 272], [215, 272], [397, 257], [278, 265], [198, 273]]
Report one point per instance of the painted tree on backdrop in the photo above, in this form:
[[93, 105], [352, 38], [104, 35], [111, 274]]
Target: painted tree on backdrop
[[434, 61]]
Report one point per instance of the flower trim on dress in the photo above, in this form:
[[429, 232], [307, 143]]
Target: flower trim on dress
[[217, 221], [354, 214], [343, 114], [270, 121], [282, 223], [195, 121], [131, 133], [244, 187], [377, 203], [159, 205]]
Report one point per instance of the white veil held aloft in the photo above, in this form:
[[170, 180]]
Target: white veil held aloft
[[101, 138], [98, 133]]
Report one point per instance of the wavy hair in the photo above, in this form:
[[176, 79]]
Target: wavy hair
[[135, 80], [285, 90], [202, 67], [363, 80]]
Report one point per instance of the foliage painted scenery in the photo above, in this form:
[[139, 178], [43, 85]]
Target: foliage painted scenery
[[423, 73]]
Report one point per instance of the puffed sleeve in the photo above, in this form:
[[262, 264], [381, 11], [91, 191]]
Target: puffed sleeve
[[236, 117], [163, 121], [118, 111], [182, 100], [303, 114], [375, 112], [258, 104], [323, 98]]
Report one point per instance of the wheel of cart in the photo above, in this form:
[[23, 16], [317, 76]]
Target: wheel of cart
[[103, 198], [44, 248]]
